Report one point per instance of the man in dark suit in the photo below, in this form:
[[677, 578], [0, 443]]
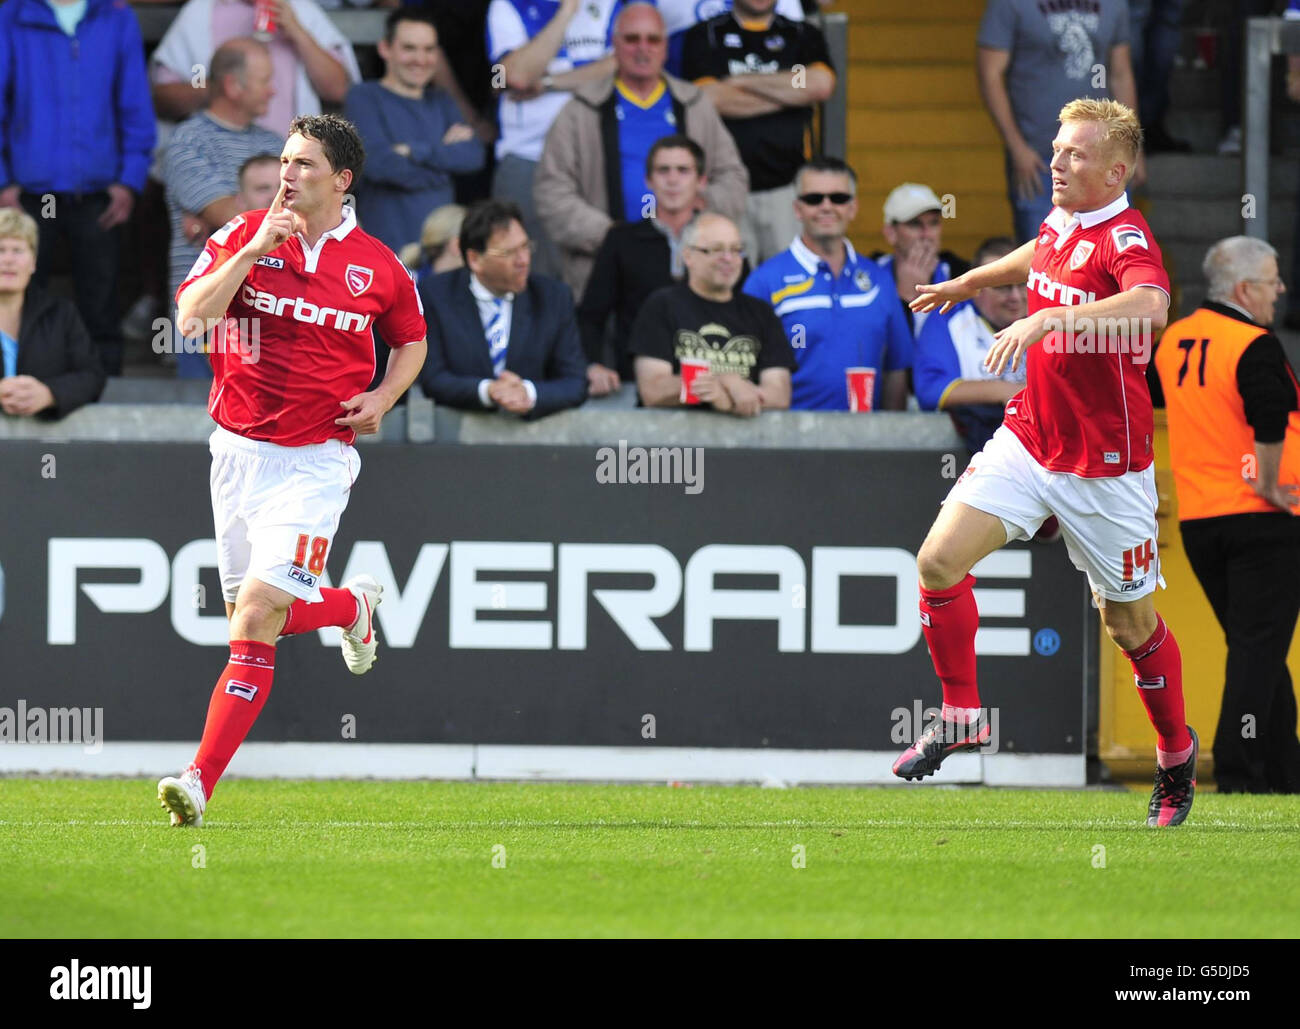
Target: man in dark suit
[[499, 337]]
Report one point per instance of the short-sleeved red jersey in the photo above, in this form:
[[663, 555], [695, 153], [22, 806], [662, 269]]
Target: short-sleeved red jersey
[[1085, 408], [307, 317]]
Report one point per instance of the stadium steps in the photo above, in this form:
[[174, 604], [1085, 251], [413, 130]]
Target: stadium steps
[[915, 115]]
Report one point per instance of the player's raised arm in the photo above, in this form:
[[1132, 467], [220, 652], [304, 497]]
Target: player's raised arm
[[1014, 268], [208, 297]]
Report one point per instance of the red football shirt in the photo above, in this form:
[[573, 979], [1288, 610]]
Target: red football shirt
[[297, 338], [1085, 408]]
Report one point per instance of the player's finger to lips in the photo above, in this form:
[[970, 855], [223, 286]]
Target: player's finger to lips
[[277, 204]]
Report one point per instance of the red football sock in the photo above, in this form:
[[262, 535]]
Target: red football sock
[[949, 619], [339, 607], [236, 702], [1158, 670]]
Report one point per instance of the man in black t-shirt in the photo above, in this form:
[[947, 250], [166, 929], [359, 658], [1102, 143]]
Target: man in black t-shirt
[[764, 74], [705, 319]]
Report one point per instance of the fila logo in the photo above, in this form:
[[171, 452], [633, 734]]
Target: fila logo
[[304, 577], [1155, 683], [244, 690], [1058, 292], [301, 311], [1081, 253], [1110, 456], [268, 261], [1126, 236], [358, 279]]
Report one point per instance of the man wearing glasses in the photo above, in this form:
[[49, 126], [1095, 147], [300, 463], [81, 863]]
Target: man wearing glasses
[[838, 308], [1234, 444], [730, 347], [500, 338]]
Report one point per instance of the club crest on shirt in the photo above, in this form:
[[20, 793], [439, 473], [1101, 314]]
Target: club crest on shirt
[[1126, 236], [732, 39], [358, 279], [862, 280], [1081, 253]]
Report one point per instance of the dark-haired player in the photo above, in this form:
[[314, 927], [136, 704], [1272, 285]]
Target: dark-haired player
[[310, 286], [1075, 443]]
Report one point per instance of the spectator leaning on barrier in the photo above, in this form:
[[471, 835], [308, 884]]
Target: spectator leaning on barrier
[[1034, 58], [837, 307], [592, 171], [913, 227], [311, 60], [948, 370], [637, 258], [500, 337], [1234, 445], [76, 130], [538, 58], [202, 164], [681, 15], [764, 74], [734, 340], [414, 136], [48, 365]]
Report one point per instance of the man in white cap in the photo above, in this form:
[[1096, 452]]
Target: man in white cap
[[914, 228]]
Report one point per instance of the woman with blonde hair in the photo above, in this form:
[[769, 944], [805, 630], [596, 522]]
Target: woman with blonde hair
[[48, 365], [439, 246]]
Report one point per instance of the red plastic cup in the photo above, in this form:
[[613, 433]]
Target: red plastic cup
[[1207, 46], [691, 367], [862, 388], [264, 24]]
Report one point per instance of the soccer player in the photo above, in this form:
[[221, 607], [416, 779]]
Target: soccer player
[[1076, 443], [308, 286]]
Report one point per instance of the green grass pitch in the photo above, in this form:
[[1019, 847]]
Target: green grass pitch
[[95, 858]]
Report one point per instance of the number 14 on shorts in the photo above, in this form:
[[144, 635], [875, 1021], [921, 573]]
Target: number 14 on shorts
[[315, 561], [1139, 557]]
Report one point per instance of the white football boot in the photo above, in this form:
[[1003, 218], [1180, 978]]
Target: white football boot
[[183, 797], [359, 642]]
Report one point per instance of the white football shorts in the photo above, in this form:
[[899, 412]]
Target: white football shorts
[[276, 510], [1108, 525]]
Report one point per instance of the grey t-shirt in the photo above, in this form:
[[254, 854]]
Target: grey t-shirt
[[1056, 47]]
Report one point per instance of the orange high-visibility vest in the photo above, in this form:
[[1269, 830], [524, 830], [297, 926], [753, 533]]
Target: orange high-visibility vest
[[1211, 445]]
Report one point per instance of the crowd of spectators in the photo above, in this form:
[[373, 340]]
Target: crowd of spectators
[[643, 189]]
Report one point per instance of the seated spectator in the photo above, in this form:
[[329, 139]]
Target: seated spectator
[[542, 62], [705, 319], [592, 171], [48, 365], [837, 307], [680, 15], [76, 131], [439, 247], [414, 136], [948, 370], [637, 258], [311, 60], [914, 228], [498, 336], [202, 166], [744, 60]]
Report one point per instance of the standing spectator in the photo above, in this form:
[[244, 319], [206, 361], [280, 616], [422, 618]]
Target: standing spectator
[[637, 258], [536, 62], [592, 170], [838, 308], [1234, 444], [311, 60], [500, 337], [76, 129], [681, 15], [415, 139], [948, 365], [705, 319], [743, 61], [202, 163], [1032, 60], [48, 365], [913, 227], [1156, 28]]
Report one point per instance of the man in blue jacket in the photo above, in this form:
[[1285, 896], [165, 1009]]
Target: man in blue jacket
[[76, 131], [499, 337]]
